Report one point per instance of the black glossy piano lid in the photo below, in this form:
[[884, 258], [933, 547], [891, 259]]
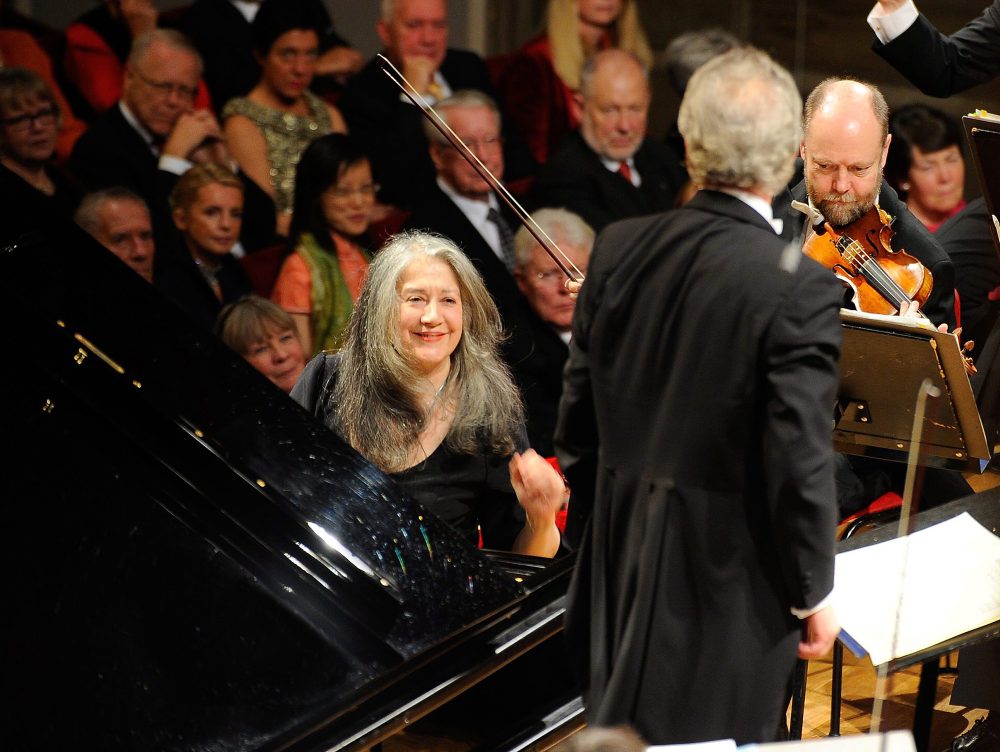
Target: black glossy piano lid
[[193, 561]]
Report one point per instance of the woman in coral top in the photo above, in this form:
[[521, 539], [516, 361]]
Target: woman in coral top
[[320, 281], [539, 87]]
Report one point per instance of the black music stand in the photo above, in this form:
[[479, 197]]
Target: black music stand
[[884, 360], [983, 132]]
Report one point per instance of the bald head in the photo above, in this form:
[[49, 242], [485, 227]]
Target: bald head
[[839, 96], [844, 147], [615, 104]]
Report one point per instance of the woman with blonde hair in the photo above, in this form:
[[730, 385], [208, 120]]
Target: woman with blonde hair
[[202, 274], [539, 87], [420, 390]]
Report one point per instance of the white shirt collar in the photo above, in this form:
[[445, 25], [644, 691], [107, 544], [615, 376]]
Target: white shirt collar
[[246, 8], [475, 210], [613, 165], [755, 202], [134, 122]]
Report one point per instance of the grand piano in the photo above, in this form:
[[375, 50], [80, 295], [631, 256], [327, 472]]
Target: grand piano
[[194, 563]]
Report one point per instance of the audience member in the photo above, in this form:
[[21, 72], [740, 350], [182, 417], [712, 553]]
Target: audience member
[[925, 163], [418, 389], [29, 123], [221, 30], [540, 87], [155, 135], [119, 220], [207, 210], [18, 49], [268, 130], [97, 49], [682, 57], [608, 169], [320, 281], [265, 336], [462, 207], [542, 283], [389, 127]]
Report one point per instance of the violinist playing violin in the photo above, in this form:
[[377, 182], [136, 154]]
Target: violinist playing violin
[[844, 148]]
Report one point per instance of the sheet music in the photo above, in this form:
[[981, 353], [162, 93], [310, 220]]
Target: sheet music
[[720, 745], [949, 578]]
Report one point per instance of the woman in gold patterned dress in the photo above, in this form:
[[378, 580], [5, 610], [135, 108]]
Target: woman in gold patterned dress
[[267, 130]]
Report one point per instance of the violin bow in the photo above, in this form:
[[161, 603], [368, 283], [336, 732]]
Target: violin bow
[[548, 245]]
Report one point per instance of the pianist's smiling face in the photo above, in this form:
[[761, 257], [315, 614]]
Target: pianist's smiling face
[[430, 316]]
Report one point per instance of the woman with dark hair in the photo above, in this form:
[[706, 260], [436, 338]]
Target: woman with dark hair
[[267, 130], [420, 390], [29, 127], [321, 280], [925, 163]]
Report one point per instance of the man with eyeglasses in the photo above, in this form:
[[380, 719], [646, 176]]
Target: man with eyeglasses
[[542, 283], [463, 207], [385, 122], [154, 135], [608, 170]]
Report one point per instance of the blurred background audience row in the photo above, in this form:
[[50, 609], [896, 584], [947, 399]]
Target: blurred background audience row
[[228, 147]]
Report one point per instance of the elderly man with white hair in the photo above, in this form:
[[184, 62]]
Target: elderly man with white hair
[[696, 406], [542, 283]]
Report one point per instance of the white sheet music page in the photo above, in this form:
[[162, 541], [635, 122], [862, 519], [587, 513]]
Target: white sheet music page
[[946, 578]]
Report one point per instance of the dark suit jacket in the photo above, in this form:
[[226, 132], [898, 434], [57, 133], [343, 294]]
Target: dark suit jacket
[[966, 239], [575, 178], [438, 213], [911, 236], [111, 152], [539, 375], [704, 402], [391, 130], [942, 65]]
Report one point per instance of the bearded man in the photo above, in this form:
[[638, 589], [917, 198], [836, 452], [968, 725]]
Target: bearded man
[[844, 147]]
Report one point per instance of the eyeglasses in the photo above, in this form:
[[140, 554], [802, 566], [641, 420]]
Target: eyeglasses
[[342, 194], [24, 122], [550, 278], [165, 88], [489, 143]]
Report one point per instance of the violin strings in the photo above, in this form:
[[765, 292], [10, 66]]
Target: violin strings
[[876, 275], [564, 262]]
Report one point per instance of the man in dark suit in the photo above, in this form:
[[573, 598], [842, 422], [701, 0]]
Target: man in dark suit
[[608, 169], [936, 64], [119, 220], [388, 125], [541, 281], [460, 205], [154, 135], [844, 148], [698, 389]]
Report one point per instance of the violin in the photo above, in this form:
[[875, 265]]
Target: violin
[[881, 278], [862, 257]]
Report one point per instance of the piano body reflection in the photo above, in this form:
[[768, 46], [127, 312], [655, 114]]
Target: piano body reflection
[[194, 563]]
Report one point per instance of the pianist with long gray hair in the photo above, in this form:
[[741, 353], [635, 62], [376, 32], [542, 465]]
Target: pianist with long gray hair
[[420, 390]]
